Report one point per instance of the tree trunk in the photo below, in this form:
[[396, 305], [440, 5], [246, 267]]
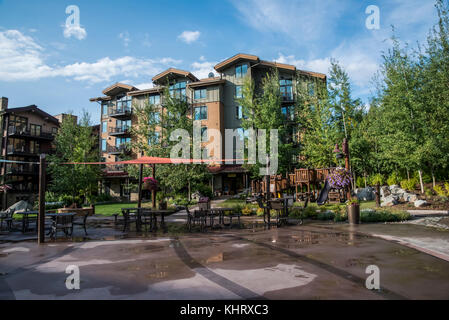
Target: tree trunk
[[364, 176], [188, 191], [433, 177], [420, 181], [408, 175]]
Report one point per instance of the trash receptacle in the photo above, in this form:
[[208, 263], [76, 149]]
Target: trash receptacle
[[204, 203]]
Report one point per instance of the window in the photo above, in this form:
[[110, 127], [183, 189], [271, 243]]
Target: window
[[120, 142], [104, 127], [34, 147], [238, 92], [240, 71], [155, 100], [54, 130], [204, 132], [124, 103], [35, 130], [201, 94], [200, 113], [103, 145], [104, 107], [155, 118], [124, 124], [311, 88], [286, 89], [18, 122], [154, 138], [288, 112], [178, 90], [239, 113]]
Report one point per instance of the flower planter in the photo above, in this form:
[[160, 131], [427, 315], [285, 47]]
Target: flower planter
[[353, 213]]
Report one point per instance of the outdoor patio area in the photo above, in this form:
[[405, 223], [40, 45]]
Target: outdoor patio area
[[317, 260]]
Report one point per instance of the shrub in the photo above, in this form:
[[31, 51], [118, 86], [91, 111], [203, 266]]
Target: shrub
[[394, 179], [247, 210], [446, 186], [328, 215], [204, 190], [409, 184], [428, 192], [440, 191], [260, 212], [360, 182], [383, 216], [341, 216], [376, 179]]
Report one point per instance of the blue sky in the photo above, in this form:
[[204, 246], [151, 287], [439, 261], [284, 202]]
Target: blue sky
[[131, 41]]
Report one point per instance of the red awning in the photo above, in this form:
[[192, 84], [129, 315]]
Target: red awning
[[158, 160]]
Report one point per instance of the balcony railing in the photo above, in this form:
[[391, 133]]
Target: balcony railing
[[21, 150], [118, 150], [120, 112], [114, 168], [27, 132], [115, 131]]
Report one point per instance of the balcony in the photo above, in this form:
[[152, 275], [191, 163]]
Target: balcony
[[114, 168], [22, 170], [120, 113], [21, 151], [23, 132], [119, 131], [113, 150]]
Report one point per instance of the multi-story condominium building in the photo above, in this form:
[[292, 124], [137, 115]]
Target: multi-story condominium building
[[213, 102], [26, 133]]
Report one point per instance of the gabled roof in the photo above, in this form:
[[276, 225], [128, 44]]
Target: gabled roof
[[174, 72], [240, 56], [34, 109], [118, 88], [206, 82]]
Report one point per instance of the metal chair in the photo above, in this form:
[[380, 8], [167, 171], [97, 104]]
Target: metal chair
[[128, 218], [81, 222], [7, 217], [197, 217]]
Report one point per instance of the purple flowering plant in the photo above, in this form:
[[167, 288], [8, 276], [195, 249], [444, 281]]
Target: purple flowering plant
[[340, 178], [150, 183]]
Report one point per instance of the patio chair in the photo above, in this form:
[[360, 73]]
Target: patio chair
[[64, 223], [281, 212], [197, 217], [81, 221], [129, 217], [7, 217]]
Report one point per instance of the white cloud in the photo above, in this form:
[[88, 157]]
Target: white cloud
[[21, 58], [75, 31], [300, 20], [125, 37], [202, 69], [189, 36], [145, 85]]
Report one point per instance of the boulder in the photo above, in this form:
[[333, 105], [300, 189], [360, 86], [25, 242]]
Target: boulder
[[365, 194], [389, 201], [393, 186], [409, 197], [420, 203], [384, 191], [397, 191]]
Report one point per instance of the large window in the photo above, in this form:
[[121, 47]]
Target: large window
[[286, 89], [124, 124], [104, 127], [124, 103], [155, 100], [103, 145], [104, 108], [120, 142], [178, 90], [241, 70], [204, 133], [200, 93], [200, 113], [239, 91], [18, 122]]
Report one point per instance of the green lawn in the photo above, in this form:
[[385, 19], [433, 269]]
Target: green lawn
[[110, 209]]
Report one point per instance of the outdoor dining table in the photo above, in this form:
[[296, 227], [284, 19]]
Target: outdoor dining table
[[154, 214], [25, 219], [221, 213], [145, 212]]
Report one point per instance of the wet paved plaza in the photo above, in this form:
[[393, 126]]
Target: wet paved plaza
[[313, 261]]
